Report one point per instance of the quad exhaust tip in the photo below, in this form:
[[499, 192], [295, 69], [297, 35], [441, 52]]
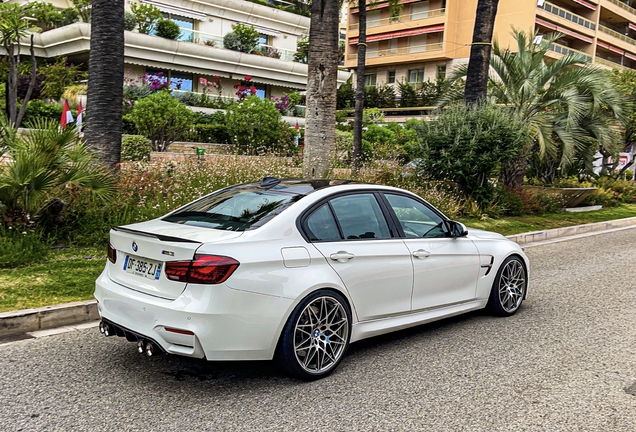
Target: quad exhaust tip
[[145, 347], [105, 329]]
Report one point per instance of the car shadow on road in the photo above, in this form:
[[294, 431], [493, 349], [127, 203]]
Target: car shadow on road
[[183, 369]]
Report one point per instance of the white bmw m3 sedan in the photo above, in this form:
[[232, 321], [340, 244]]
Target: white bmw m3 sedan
[[297, 270]]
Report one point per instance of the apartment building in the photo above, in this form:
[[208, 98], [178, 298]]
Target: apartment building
[[429, 37], [199, 51]]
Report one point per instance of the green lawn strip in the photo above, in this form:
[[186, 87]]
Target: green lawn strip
[[69, 274], [521, 224]]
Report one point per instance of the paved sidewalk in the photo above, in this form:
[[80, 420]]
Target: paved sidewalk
[[35, 322]]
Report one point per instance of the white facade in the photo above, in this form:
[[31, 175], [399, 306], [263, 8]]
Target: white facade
[[199, 52]]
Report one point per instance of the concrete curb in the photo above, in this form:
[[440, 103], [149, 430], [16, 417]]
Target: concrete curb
[[48, 317], [551, 234], [30, 320]]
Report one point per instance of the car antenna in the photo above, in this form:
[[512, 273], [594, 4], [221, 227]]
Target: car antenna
[[269, 182]]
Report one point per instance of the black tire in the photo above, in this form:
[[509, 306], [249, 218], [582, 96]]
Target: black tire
[[316, 336], [509, 287]]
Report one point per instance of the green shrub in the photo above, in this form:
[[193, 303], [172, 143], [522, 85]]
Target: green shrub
[[211, 133], [130, 21], [60, 75], [128, 126], [20, 248], [135, 148], [466, 145], [38, 109], [346, 95], [408, 94], [243, 38], [161, 118], [168, 29], [255, 126], [146, 15]]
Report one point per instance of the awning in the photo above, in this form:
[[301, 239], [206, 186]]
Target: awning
[[564, 30], [586, 4], [632, 26], [177, 10], [401, 33], [266, 31], [381, 5], [630, 56]]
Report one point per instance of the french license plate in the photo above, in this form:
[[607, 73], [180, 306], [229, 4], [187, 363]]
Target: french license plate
[[149, 269]]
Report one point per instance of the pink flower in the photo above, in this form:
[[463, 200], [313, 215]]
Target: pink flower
[[203, 81]]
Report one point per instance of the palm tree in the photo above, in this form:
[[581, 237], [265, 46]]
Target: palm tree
[[44, 163], [320, 131], [569, 106], [359, 107], [480, 50], [105, 80]]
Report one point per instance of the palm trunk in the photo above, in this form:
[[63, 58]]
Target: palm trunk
[[105, 80], [320, 117], [479, 63], [362, 56], [513, 171], [34, 74]]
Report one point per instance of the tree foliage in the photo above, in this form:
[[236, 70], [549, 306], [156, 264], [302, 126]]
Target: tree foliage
[[255, 126], [147, 16], [243, 38], [161, 118], [60, 75], [168, 29], [466, 144]]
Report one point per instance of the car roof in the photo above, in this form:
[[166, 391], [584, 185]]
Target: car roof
[[296, 186]]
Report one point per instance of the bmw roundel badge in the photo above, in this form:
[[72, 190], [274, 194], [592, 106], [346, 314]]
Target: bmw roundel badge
[[134, 247]]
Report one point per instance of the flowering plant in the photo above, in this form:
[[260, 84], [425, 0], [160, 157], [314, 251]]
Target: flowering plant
[[244, 88]]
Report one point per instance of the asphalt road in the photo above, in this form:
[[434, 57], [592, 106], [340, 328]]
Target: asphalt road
[[565, 362]]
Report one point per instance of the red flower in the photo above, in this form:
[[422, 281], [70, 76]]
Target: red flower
[[253, 90], [237, 85], [248, 77]]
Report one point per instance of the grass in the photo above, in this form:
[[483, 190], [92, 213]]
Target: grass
[[69, 274], [516, 225]]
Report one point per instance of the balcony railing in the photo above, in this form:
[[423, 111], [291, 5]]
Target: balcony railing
[[416, 49], [617, 34], [608, 63], [566, 14], [405, 18], [195, 36], [561, 49], [619, 3]]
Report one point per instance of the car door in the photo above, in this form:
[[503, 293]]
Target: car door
[[352, 233], [445, 269]]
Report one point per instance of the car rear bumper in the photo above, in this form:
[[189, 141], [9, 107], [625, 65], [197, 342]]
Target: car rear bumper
[[228, 324]]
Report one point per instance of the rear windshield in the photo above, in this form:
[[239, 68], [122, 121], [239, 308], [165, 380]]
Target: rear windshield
[[236, 209]]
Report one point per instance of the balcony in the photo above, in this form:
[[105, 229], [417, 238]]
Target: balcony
[[211, 40], [608, 64], [196, 58], [411, 53], [399, 20], [616, 38], [565, 17], [558, 51], [623, 6]]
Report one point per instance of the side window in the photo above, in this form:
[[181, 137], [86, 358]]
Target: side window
[[417, 220], [360, 217], [321, 225]]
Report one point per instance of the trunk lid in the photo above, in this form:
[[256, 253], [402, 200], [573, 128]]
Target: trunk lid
[[144, 248]]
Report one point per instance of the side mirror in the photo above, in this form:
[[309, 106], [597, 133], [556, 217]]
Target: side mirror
[[455, 229]]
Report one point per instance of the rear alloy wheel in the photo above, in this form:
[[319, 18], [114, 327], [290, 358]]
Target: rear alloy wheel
[[509, 287], [316, 336]]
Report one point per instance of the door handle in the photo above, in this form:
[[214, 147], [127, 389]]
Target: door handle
[[341, 256], [421, 253]]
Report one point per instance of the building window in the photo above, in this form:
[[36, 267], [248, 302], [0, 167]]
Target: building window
[[178, 80], [261, 90], [391, 78], [370, 79], [441, 72], [185, 24], [416, 75], [263, 39]]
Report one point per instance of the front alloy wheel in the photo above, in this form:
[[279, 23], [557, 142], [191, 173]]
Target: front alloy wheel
[[316, 336], [509, 287]]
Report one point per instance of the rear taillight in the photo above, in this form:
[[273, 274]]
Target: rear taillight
[[204, 269], [112, 253]]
